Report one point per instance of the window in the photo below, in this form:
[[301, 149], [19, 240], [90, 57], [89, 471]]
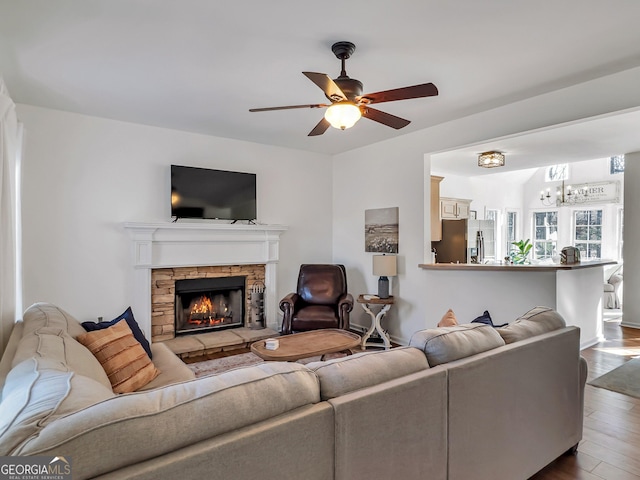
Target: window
[[490, 237], [555, 173], [588, 232], [616, 164], [545, 225], [512, 225]]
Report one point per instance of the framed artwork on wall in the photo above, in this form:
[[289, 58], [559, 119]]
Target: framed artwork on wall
[[381, 230]]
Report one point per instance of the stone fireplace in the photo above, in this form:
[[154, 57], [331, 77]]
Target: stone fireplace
[[176, 290], [165, 252]]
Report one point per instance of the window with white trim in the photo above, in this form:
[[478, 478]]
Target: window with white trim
[[616, 164], [511, 231], [555, 173], [587, 236], [545, 241]]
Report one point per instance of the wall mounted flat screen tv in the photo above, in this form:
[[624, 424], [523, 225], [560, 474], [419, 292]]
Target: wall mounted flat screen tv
[[212, 194]]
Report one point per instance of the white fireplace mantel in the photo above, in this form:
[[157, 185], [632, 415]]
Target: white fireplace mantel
[[167, 245]]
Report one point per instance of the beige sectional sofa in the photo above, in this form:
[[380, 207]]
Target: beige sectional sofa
[[458, 403]]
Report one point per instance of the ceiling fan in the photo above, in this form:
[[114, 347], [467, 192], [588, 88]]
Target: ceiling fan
[[348, 103]]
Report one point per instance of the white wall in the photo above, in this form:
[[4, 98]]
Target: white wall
[[397, 184], [84, 176], [388, 173]]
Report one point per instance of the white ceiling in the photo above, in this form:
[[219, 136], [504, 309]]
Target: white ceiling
[[199, 65], [589, 140]]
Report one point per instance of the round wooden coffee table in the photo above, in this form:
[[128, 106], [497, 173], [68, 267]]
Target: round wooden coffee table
[[308, 344]]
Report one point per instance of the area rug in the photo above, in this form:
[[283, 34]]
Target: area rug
[[624, 379], [219, 365]]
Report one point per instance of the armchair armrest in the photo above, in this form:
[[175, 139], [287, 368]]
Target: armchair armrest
[[287, 305], [289, 302], [346, 303]]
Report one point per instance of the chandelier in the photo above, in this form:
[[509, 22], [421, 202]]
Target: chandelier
[[565, 195]]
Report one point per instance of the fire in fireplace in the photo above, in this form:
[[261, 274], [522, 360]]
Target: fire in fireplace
[[209, 304]]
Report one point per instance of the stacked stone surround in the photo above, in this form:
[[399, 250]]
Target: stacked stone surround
[[163, 291]]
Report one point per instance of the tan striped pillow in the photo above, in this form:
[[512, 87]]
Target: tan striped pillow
[[124, 360]]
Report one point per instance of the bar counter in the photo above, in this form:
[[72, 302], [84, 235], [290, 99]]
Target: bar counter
[[541, 267], [574, 290]]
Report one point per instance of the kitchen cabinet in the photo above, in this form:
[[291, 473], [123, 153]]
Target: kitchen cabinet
[[454, 208], [436, 223]]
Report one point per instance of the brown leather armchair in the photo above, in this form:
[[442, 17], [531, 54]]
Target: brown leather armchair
[[321, 300]]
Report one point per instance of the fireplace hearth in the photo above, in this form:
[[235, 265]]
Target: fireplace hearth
[[207, 304]]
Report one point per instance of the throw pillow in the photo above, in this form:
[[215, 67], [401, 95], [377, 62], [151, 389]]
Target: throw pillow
[[124, 360], [486, 319], [537, 321], [133, 325], [448, 320]]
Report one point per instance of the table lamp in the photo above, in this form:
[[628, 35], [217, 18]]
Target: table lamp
[[384, 266]]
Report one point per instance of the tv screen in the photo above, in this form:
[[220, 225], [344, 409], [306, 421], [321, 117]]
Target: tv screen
[[212, 194]]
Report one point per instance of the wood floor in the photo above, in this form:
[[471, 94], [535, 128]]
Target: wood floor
[[610, 446]]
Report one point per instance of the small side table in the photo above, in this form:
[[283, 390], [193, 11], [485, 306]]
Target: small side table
[[376, 319]]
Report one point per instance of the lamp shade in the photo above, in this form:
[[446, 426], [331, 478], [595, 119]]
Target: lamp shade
[[385, 265], [342, 115]]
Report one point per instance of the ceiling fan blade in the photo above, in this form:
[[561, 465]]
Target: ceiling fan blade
[[328, 86], [405, 93], [288, 107], [384, 118], [320, 128]]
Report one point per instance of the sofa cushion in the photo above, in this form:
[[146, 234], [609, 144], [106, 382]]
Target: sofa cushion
[[116, 432], [443, 345], [172, 369], [448, 320], [57, 345], [48, 315], [124, 360], [347, 374], [133, 325], [536, 321], [38, 391]]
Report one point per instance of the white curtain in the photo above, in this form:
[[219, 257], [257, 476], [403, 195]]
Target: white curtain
[[8, 158]]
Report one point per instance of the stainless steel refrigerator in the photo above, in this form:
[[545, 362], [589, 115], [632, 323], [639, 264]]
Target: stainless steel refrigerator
[[459, 240]]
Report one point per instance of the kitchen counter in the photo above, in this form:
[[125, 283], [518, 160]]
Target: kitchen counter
[[543, 267], [575, 290]]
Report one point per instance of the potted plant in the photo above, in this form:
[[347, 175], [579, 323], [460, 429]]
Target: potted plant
[[521, 252]]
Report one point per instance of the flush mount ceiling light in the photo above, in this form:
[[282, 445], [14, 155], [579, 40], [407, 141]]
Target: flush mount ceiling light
[[343, 115], [491, 159]]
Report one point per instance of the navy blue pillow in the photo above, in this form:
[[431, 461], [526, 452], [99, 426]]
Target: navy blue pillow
[[133, 325], [486, 319]]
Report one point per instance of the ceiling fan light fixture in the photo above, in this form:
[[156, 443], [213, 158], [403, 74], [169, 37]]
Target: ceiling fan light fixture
[[491, 159], [343, 115]]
